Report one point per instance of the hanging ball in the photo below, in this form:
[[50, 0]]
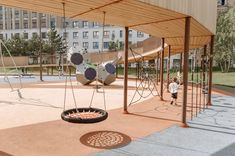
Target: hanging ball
[[76, 58], [90, 73], [110, 68]]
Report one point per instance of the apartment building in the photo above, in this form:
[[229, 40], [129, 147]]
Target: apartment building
[[87, 34]]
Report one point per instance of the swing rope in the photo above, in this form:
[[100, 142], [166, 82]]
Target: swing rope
[[67, 66], [96, 88], [6, 78], [81, 115]]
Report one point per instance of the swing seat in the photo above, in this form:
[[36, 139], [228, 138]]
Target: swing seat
[[84, 115]]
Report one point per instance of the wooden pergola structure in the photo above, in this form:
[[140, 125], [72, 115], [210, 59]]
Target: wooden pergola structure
[[182, 24]]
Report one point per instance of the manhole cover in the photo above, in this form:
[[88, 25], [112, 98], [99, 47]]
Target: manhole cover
[[105, 139]]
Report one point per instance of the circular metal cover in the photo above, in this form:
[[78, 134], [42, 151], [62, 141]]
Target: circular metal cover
[[105, 139], [90, 73], [76, 58], [110, 68]]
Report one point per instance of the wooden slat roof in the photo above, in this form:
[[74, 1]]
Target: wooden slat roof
[[160, 18]]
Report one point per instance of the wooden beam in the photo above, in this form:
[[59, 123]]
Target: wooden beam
[[185, 72], [162, 69], [97, 8], [168, 67], [126, 70], [155, 22], [210, 69]]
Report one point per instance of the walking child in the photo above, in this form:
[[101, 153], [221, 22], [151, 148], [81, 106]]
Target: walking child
[[173, 88]]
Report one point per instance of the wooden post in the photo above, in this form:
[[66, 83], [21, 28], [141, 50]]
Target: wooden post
[[181, 60], [157, 74], [162, 69], [210, 70], [40, 36], [168, 67], [185, 68], [116, 71], [125, 69]]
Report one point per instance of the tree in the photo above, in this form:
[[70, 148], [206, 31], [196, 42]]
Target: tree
[[54, 44], [225, 39], [115, 45], [17, 46], [34, 45]]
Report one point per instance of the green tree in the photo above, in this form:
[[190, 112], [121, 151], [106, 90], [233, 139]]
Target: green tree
[[225, 39], [34, 45], [54, 44], [115, 45], [17, 46]]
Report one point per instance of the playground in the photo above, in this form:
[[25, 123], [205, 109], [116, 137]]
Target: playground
[[87, 109], [149, 124]]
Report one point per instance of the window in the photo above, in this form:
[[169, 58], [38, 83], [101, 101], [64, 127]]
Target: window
[[34, 15], [222, 2], [95, 34], [85, 34], [17, 25], [34, 34], [17, 14], [106, 34], [130, 33], [121, 33], [43, 23], [25, 24], [85, 24], [75, 24], [17, 35], [25, 14], [43, 15], [25, 35], [52, 22], [95, 45], [34, 23], [140, 34], [75, 35], [75, 44], [44, 35], [1, 36], [65, 35], [106, 45], [95, 24], [85, 45], [1, 26]]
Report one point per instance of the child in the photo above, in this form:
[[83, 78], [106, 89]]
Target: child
[[173, 88]]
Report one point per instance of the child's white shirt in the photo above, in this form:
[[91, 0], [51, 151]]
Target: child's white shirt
[[173, 87]]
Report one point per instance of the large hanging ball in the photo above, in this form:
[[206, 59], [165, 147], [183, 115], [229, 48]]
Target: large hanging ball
[[76, 58], [90, 73], [110, 68]]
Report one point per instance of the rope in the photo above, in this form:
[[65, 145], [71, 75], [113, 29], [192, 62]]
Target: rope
[[6, 78], [67, 68], [147, 80], [97, 69]]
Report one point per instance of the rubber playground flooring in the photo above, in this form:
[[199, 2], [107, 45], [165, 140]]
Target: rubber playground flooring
[[151, 125]]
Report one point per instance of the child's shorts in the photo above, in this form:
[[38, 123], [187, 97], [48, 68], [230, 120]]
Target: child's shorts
[[174, 95]]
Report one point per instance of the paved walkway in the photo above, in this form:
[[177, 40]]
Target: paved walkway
[[211, 133]]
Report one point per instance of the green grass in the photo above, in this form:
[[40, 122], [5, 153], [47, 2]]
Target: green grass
[[225, 79]]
